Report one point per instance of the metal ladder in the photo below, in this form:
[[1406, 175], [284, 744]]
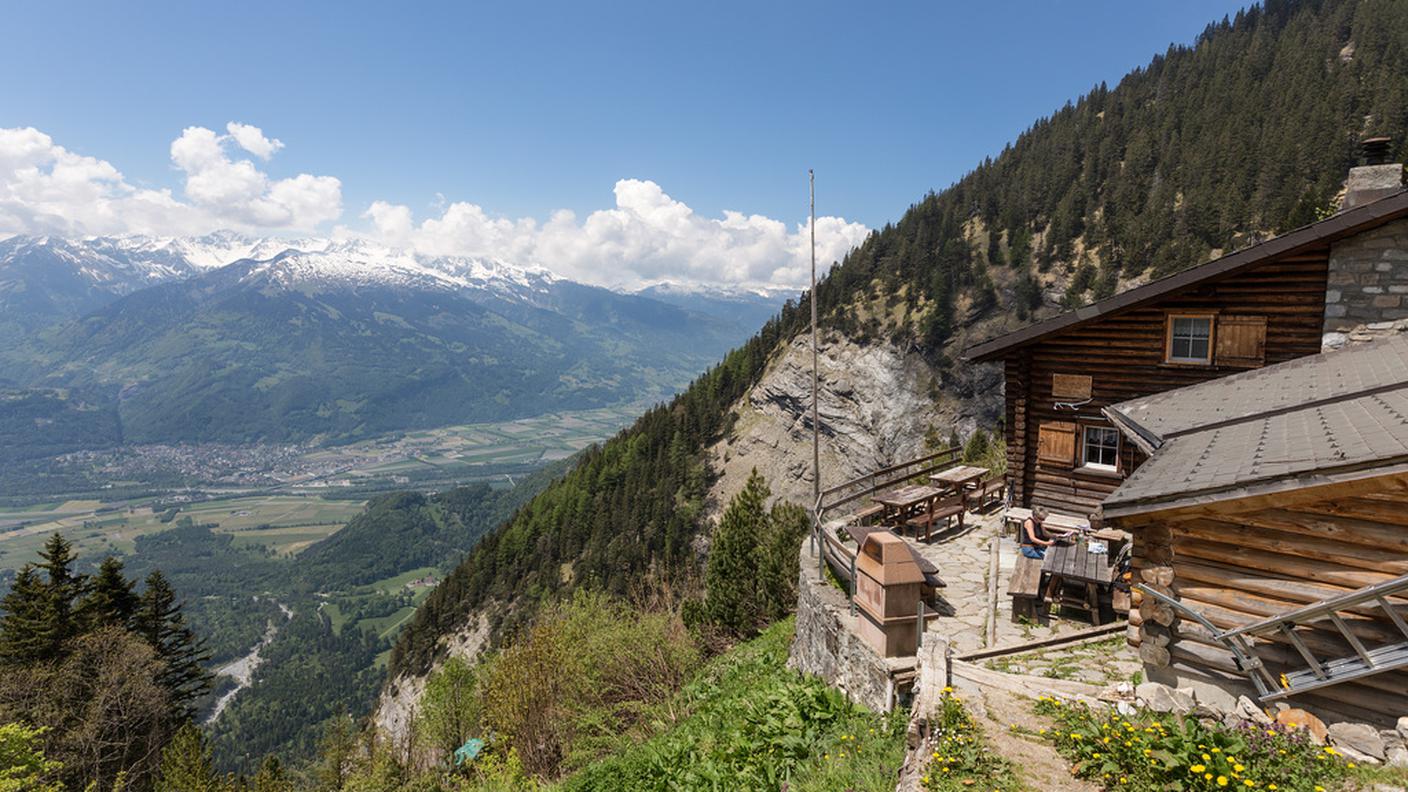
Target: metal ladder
[[1318, 673]]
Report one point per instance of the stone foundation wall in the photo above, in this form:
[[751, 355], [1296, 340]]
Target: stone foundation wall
[[1368, 281], [827, 646]]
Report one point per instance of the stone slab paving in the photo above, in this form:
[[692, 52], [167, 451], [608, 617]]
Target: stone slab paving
[[963, 564]]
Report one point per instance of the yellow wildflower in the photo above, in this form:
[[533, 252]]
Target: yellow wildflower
[[1222, 780]]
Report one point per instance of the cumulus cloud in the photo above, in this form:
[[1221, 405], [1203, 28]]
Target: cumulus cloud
[[251, 139], [237, 191], [647, 237], [47, 189]]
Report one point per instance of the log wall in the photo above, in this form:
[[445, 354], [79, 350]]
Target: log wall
[[1237, 567], [1124, 354]]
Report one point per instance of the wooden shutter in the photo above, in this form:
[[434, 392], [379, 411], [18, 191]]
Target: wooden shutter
[[1075, 387], [1056, 444], [1241, 340]]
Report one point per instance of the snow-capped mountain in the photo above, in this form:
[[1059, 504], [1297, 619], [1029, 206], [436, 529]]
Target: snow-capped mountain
[[47, 280], [226, 337]]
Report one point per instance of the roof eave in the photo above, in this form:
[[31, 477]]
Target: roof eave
[[1144, 507], [1146, 440], [1344, 223]]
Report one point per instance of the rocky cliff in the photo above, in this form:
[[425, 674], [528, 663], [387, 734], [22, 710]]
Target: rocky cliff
[[877, 403]]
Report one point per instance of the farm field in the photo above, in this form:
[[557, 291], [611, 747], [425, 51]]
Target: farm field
[[283, 523]]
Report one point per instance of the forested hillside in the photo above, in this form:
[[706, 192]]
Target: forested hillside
[[1247, 131]]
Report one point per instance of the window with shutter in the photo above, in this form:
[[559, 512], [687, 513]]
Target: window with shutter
[[1056, 444], [1189, 339], [1241, 340]]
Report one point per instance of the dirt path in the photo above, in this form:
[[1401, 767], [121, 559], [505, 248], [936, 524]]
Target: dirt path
[[1041, 768]]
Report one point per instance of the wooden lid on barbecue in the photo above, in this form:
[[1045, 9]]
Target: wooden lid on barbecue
[[886, 558]]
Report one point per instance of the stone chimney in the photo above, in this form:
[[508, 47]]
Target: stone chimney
[[1367, 291], [1374, 179]]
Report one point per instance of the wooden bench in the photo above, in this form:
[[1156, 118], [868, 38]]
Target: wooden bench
[[987, 492], [943, 508], [1025, 590], [867, 515], [1015, 516]]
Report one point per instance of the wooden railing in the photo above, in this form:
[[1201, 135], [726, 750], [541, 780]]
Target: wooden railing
[[826, 546]]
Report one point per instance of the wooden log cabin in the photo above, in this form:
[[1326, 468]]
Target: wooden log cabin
[[1266, 493], [1259, 306]]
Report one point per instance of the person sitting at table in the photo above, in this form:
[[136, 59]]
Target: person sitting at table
[[1034, 537]]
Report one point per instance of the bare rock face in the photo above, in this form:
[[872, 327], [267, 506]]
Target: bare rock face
[[876, 402], [399, 703]]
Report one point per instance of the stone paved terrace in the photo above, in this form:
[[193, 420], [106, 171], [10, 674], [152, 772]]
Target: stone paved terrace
[[828, 643], [963, 562]]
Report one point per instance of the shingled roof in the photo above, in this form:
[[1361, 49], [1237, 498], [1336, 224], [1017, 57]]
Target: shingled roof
[[1312, 420], [1346, 223]]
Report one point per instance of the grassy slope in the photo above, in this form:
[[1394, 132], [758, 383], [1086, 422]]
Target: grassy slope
[[746, 721]]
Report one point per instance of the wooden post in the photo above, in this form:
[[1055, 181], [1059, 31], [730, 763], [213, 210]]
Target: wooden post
[[854, 582], [994, 565], [919, 636]]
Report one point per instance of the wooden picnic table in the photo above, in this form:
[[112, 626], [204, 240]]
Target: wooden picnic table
[[902, 503], [1077, 577], [959, 476]]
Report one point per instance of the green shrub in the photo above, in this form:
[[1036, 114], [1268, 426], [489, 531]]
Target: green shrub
[[748, 722], [23, 767], [566, 690], [1149, 751]]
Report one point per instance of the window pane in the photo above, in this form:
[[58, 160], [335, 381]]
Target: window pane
[[1102, 446], [1189, 338], [1198, 348]]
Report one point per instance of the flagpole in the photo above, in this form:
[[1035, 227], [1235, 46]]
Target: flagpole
[[816, 426]]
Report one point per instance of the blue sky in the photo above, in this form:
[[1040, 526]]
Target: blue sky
[[526, 108]]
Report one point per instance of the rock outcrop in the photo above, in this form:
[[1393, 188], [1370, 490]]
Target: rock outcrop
[[876, 402], [399, 702]]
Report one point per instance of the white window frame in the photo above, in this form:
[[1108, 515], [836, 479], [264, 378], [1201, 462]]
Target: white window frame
[[1211, 320], [1085, 446]]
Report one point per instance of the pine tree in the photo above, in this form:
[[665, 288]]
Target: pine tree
[[110, 599], [186, 764], [38, 610], [777, 569], [730, 578], [23, 637], [271, 777], [62, 590], [160, 622]]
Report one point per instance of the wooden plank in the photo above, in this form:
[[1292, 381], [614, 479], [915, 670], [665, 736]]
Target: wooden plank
[[1278, 564], [1087, 635], [1071, 386]]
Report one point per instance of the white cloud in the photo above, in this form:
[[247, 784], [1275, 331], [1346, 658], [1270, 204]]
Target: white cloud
[[645, 237], [47, 189], [251, 139], [238, 192]]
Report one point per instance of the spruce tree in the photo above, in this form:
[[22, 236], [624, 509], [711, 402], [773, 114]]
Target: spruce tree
[[110, 599], [62, 590], [160, 622], [23, 635], [730, 578], [186, 764]]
